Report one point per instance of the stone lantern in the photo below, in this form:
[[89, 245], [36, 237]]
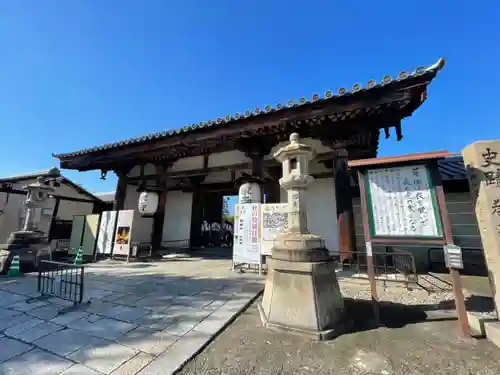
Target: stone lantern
[[302, 294], [30, 243]]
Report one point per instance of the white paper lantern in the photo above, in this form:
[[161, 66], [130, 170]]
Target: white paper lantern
[[148, 203], [249, 192]]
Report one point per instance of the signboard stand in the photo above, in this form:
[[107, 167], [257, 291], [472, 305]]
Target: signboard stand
[[403, 202], [246, 243]]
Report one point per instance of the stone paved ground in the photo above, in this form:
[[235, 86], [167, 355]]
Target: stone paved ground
[[144, 318], [413, 343]]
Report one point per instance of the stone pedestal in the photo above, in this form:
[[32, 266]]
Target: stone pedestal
[[301, 294], [303, 298]]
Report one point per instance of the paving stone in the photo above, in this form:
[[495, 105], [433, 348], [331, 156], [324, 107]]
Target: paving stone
[[97, 294], [96, 306], [214, 323], [125, 313], [148, 340], [70, 317], [35, 362], [113, 296], [104, 356], [214, 305], [128, 299], [180, 328], [105, 328], [78, 369], [7, 313], [10, 348], [38, 331], [46, 312], [27, 306], [16, 330], [14, 321], [65, 342], [175, 356], [133, 365], [93, 318], [7, 298]]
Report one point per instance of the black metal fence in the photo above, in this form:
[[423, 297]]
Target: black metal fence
[[393, 265], [61, 280]]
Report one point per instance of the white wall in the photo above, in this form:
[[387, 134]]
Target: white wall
[[177, 223], [322, 212]]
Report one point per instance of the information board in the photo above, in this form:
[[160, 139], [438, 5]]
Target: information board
[[402, 202], [274, 219], [246, 244]]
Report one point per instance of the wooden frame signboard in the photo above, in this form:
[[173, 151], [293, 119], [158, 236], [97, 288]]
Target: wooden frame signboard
[[403, 202]]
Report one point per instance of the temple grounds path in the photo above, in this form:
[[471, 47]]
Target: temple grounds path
[[144, 318]]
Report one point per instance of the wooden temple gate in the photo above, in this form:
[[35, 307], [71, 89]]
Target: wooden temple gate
[[346, 124]]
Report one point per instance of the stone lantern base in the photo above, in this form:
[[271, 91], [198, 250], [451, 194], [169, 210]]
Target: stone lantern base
[[302, 297]]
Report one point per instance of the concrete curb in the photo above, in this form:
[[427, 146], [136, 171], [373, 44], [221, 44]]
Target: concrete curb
[[216, 334]]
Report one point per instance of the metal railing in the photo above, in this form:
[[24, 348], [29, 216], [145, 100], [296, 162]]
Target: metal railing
[[393, 265], [61, 280]]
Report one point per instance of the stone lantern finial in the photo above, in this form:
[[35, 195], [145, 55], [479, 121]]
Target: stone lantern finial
[[294, 138]]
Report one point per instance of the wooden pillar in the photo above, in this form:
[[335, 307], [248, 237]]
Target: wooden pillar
[[196, 211], [272, 187], [121, 189], [345, 211], [54, 218], [159, 216]]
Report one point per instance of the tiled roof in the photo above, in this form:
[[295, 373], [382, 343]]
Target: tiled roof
[[53, 172], [452, 168], [357, 88]]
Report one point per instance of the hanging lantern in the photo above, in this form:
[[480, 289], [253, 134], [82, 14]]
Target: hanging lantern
[[249, 192], [148, 203]]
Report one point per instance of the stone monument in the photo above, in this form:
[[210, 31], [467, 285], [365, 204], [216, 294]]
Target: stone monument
[[30, 243], [482, 160], [301, 294]]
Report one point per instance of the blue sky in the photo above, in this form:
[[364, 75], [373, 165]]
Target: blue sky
[[80, 73]]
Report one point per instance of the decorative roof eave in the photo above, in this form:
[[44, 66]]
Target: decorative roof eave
[[403, 81]]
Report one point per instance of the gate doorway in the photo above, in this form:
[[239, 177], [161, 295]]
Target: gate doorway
[[217, 219]]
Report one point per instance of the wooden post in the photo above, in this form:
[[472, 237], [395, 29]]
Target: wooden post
[[159, 216], [54, 218], [369, 256], [448, 236], [121, 190], [345, 211]]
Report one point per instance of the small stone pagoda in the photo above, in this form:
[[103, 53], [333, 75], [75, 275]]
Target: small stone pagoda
[[30, 243], [302, 294]]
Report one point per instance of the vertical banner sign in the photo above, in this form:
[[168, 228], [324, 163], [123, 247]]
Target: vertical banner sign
[[246, 244], [274, 219], [106, 231], [123, 232]]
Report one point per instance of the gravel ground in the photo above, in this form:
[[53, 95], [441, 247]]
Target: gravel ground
[[419, 337], [408, 345]]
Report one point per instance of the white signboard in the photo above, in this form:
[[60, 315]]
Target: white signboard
[[106, 231], [402, 203], [123, 232], [274, 219], [246, 244]]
